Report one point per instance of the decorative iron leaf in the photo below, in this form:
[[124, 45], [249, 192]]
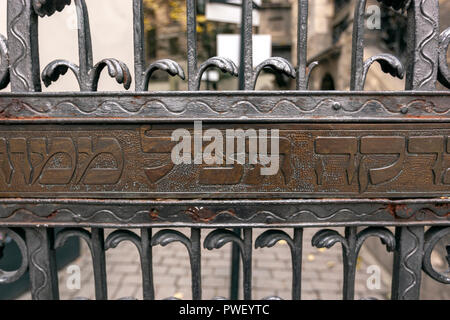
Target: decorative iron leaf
[[116, 237], [271, 237], [277, 64], [218, 238], [67, 233], [116, 69], [224, 64], [167, 236], [170, 66], [327, 238], [385, 235], [57, 68], [4, 62], [48, 7], [444, 72], [389, 64]]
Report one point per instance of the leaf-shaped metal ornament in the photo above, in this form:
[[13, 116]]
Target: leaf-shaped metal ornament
[[271, 237], [57, 68], [389, 64], [87, 74], [444, 71], [4, 62], [386, 237], [67, 233], [167, 236], [220, 237], [171, 67], [327, 238], [118, 236], [48, 7], [277, 64], [226, 65], [116, 69]]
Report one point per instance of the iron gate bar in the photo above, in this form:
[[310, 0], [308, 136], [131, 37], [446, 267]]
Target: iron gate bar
[[55, 212], [234, 106], [31, 221]]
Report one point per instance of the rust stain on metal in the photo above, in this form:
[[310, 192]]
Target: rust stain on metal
[[154, 214]]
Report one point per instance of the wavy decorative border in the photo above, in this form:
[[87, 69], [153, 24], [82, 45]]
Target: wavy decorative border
[[297, 108]]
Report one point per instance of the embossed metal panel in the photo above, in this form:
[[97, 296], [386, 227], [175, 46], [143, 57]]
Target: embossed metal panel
[[87, 161], [316, 160]]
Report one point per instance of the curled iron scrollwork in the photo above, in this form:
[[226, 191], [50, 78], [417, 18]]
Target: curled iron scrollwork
[[277, 64], [351, 245], [167, 65], [432, 237], [18, 237], [86, 73], [388, 62], [224, 64]]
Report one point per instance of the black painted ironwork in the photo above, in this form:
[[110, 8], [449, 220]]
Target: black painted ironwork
[[401, 127]]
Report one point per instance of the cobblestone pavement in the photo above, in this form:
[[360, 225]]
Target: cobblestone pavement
[[321, 272]]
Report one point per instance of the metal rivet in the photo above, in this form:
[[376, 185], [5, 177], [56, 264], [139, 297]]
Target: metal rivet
[[404, 110], [337, 106]]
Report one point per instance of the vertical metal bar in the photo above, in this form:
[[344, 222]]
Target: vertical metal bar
[[99, 263], [247, 263], [246, 53], [296, 252], [196, 264], [147, 264], [302, 44], [245, 83], [84, 45], [23, 46], [139, 44], [42, 263], [349, 257], [235, 266], [422, 45], [356, 80], [191, 10], [407, 269]]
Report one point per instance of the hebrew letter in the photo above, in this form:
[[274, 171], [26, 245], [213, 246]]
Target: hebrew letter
[[58, 146], [254, 176], [430, 145], [5, 166], [104, 175], [19, 157], [380, 146], [337, 146], [162, 145], [231, 174]]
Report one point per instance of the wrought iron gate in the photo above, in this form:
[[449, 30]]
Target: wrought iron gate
[[88, 161]]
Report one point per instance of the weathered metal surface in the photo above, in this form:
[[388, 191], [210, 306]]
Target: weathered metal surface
[[284, 106], [217, 213], [88, 161], [135, 161]]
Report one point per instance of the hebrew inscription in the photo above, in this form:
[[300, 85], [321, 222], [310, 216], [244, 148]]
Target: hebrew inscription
[[134, 161]]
